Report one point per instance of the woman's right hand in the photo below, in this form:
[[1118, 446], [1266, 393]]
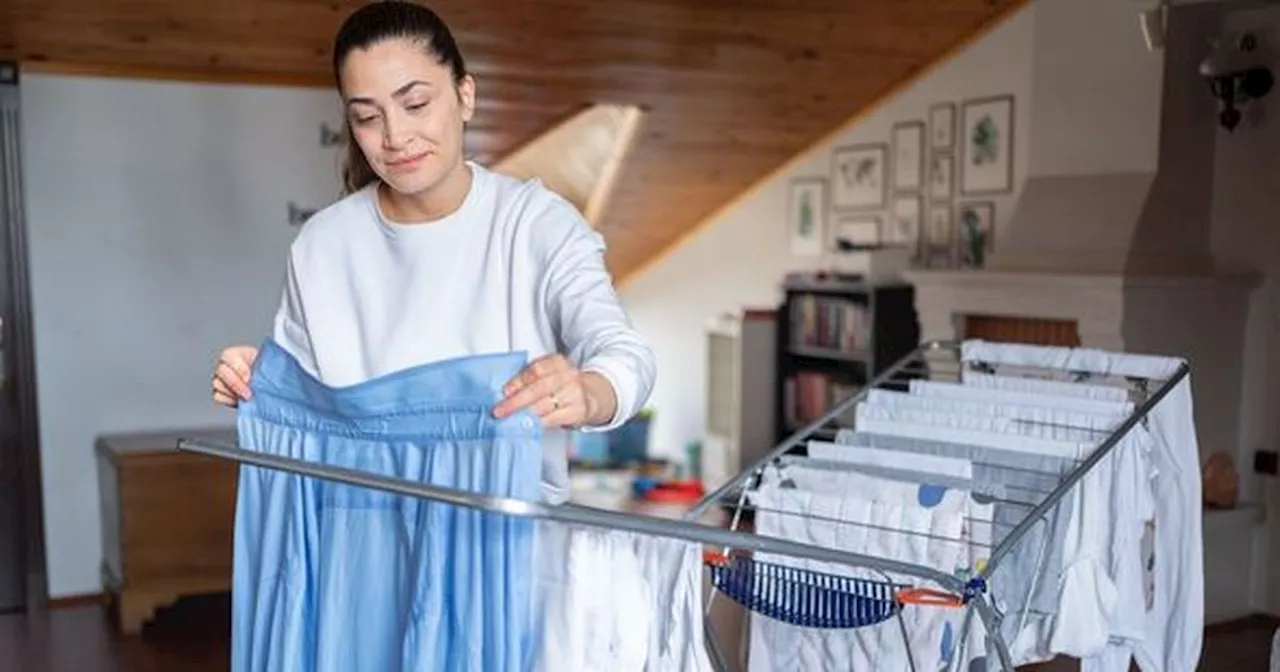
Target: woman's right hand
[[231, 375]]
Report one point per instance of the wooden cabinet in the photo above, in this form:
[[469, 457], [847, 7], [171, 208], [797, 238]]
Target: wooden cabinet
[[167, 520]]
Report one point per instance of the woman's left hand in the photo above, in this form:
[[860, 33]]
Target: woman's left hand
[[556, 391]]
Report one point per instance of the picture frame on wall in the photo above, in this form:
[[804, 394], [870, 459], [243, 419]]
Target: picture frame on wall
[[939, 233], [942, 177], [858, 177], [807, 216], [986, 146], [908, 156], [975, 226], [851, 232], [904, 224], [942, 126]]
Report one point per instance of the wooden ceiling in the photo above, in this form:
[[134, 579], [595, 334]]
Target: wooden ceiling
[[731, 89]]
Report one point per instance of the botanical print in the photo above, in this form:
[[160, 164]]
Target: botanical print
[[940, 176], [908, 155], [906, 222], [942, 126], [987, 147], [976, 228], [940, 226], [807, 203]]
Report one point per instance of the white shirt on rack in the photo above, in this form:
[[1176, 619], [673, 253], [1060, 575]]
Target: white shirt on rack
[[516, 267]]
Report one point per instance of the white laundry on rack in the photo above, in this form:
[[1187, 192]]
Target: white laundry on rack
[[1008, 477], [885, 518], [925, 465], [613, 601], [1056, 388], [1050, 415], [950, 390], [1103, 593], [673, 571], [1173, 635]]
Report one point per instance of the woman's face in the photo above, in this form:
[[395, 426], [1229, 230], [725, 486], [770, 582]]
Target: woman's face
[[406, 113]]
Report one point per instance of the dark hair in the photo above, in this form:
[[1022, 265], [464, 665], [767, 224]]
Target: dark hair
[[374, 23]]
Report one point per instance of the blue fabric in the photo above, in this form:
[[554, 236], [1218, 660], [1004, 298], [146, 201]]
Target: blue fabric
[[336, 578]]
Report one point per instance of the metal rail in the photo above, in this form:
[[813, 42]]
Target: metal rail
[[568, 513]]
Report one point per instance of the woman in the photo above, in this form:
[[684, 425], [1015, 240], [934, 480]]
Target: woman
[[430, 257]]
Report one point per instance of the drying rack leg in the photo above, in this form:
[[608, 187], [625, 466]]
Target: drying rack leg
[[992, 624], [713, 648]]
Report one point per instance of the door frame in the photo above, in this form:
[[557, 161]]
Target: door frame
[[19, 342]]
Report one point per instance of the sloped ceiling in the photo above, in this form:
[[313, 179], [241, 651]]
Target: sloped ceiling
[[730, 89], [580, 158]]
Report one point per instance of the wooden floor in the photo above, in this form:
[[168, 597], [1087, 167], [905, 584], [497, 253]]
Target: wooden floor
[[192, 636]]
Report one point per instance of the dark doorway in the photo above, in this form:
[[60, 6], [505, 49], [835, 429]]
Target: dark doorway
[[21, 525]]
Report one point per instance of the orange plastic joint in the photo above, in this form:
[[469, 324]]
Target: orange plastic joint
[[929, 597], [714, 558]]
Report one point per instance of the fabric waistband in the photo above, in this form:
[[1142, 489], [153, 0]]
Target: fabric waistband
[[447, 399]]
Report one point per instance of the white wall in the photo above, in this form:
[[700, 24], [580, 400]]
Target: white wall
[[1077, 131], [1246, 234], [157, 217], [740, 258]]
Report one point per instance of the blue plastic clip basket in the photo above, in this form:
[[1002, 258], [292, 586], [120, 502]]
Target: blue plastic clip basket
[[800, 596]]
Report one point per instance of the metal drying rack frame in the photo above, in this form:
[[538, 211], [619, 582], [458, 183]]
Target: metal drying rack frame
[[688, 529]]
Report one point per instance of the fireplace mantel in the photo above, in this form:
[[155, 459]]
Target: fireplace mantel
[[1102, 305]]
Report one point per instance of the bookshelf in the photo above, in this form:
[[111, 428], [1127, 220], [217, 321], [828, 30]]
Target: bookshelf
[[834, 335]]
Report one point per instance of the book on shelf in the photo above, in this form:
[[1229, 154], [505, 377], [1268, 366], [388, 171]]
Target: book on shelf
[[808, 395], [829, 323]]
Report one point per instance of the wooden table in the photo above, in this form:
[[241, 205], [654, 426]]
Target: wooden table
[[167, 519]]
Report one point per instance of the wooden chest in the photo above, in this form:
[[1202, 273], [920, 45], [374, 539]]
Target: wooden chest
[[167, 519]]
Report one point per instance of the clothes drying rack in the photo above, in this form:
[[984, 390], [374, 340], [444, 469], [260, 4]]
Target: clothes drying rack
[[822, 600]]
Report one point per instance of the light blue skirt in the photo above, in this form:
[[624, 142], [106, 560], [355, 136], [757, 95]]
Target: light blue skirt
[[338, 578]]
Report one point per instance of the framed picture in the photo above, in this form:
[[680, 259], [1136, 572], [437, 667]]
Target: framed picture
[[904, 228], [938, 248], [975, 229], [986, 146], [858, 177], [941, 177], [938, 233], [851, 232], [807, 215], [942, 126], [908, 156]]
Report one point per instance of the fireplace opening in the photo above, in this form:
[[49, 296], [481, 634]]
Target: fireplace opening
[[1017, 329]]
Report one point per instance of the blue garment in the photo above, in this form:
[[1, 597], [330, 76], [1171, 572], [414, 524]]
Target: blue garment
[[330, 577]]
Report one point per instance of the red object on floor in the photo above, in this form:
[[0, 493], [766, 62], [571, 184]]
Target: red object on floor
[[675, 491]]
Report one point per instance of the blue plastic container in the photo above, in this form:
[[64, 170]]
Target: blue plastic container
[[630, 442], [591, 447]]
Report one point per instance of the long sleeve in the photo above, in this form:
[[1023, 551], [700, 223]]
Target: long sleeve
[[588, 318]]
